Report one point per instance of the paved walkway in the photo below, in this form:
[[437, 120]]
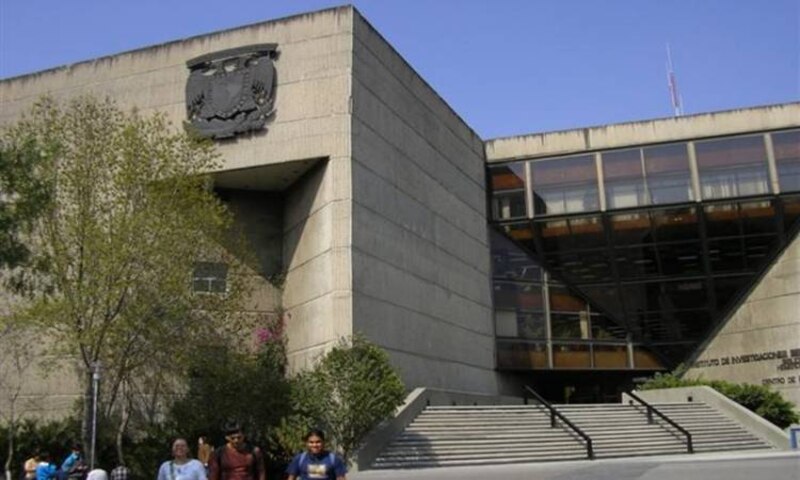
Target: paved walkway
[[719, 466]]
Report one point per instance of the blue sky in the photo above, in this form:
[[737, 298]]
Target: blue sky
[[506, 66]]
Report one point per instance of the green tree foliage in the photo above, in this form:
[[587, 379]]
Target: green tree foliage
[[129, 212], [248, 387], [23, 195], [348, 393], [765, 402]]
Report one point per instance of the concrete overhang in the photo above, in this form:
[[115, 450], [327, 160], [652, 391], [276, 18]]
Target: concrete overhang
[[629, 134], [269, 178]]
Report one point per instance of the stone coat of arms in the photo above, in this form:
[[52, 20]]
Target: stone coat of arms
[[231, 91]]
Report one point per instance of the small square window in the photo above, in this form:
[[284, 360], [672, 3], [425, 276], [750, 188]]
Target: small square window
[[210, 277]]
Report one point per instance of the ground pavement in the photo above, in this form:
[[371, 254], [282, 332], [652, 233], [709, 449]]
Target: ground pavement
[[719, 466]]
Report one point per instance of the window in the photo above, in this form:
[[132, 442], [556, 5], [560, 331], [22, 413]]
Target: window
[[210, 277], [565, 185], [624, 179], [733, 167], [508, 191], [668, 175], [787, 159]]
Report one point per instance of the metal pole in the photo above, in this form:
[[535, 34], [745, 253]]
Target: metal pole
[[95, 385]]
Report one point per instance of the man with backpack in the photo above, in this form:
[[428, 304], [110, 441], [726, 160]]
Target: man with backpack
[[236, 460]]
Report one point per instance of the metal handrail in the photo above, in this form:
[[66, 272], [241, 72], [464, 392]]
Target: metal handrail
[[651, 409], [555, 413]]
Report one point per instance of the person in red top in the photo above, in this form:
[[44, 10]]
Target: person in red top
[[236, 460]]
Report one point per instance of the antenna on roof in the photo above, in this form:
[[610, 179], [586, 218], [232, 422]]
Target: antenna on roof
[[675, 97]]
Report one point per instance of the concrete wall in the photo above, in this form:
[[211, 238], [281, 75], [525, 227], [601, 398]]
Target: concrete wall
[[638, 133], [312, 121], [420, 252], [766, 326]]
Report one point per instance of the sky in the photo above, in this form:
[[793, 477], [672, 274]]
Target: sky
[[507, 67]]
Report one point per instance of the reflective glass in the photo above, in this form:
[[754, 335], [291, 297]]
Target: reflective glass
[[676, 224], [517, 296], [565, 185], [637, 262], [632, 228], [571, 356], [610, 356], [669, 178], [570, 325], [603, 328], [732, 167], [786, 146], [645, 359], [521, 355], [624, 179], [682, 259], [510, 262], [508, 191]]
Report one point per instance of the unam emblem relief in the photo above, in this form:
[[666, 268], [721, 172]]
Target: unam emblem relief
[[231, 91]]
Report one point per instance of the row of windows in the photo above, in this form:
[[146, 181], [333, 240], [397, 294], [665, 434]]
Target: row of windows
[[657, 175]]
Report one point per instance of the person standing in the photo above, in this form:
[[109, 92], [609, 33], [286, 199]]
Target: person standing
[[181, 467], [316, 462], [236, 460], [46, 470], [204, 451], [73, 466], [30, 466]]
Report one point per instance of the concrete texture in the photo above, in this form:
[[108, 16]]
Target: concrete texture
[[734, 466], [744, 417], [420, 248], [637, 133], [765, 325]]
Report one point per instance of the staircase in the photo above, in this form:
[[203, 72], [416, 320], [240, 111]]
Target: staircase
[[484, 435]]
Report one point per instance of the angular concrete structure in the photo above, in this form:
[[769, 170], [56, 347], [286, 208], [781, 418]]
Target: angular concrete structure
[[367, 194]]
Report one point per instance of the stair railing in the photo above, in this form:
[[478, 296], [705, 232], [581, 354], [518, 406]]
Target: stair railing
[[555, 413], [651, 410]]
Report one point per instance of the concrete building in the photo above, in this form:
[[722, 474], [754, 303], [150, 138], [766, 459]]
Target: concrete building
[[389, 216]]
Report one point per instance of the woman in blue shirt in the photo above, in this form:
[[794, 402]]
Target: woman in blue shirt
[[316, 463]]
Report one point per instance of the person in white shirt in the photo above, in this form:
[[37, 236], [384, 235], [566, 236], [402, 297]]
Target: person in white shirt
[[181, 467]]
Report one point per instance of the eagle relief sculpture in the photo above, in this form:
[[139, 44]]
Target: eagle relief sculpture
[[231, 91]]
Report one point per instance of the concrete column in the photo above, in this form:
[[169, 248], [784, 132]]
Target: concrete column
[[695, 173], [773, 168]]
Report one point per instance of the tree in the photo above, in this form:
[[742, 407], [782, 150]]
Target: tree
[[130, 212], [349, 392], [247, 386], [16, 361], [22, 197]]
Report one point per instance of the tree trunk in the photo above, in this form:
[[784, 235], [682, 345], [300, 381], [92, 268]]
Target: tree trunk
[[123, 423], [12, 431]]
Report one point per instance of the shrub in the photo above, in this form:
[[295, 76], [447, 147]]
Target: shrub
[[350, 391], [767, 403]]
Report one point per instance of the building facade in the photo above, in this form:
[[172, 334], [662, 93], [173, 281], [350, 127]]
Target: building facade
[[572, 261]]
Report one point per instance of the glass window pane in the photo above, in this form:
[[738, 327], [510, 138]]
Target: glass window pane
[[521, 355], [610, 356], [563, 325], [565, 185], [644, 359], [511, 262], [571, 356], [211, 277], [732, 167], [624, 180], [632, 228], [786, 146], [677, 224], [669, 178], [561, 300], [517, 296], [508, 191]]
